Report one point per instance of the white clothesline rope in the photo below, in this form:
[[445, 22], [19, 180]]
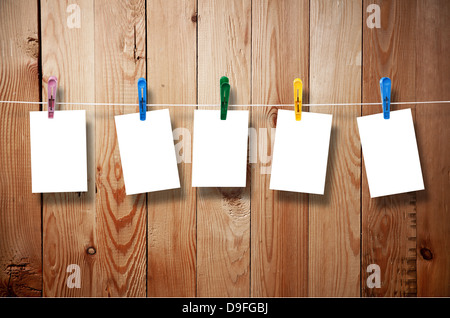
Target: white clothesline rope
[[217, 105]]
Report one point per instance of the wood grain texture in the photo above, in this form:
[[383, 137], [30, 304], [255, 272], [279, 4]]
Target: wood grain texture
[[231, 242], [334, 218], [69, 219], [433, 135], [279, 219], [20, 210], [389, 223], [172, 78], [223, 214], [121, 220]]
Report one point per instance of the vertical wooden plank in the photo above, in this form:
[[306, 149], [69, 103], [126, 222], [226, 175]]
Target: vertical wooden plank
[[121, 220], [223, 214], [69, 220], [20, 210], [389, 223], [334, 218], [172, 76], [433, 135], [279, 224], [110, 244]]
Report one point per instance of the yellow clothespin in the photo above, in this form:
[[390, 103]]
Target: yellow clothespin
[[298, 87]]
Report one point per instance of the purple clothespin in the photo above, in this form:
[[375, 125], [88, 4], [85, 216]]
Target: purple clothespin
[[52, 83]]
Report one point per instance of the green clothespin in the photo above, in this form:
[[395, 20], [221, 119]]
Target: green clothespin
[[224, 96]]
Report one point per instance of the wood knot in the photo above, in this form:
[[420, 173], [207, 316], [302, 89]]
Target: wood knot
[[273, 117], [32, 46], [91, 250], [194, 17], [426, 253]]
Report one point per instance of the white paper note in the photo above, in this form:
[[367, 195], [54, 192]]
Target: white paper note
[[390, 153], [147, 152], [58, 152], [220, 149], [300, 152]]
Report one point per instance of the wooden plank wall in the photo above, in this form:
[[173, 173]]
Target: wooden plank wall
[[279, 220], [235, 242], [172, 78], [20, 210], [223, 214], [334, 222], [388, 223]]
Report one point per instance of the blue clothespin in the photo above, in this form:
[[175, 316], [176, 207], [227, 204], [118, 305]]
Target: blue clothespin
[[142, 92], [385, 86], [224, 96]]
